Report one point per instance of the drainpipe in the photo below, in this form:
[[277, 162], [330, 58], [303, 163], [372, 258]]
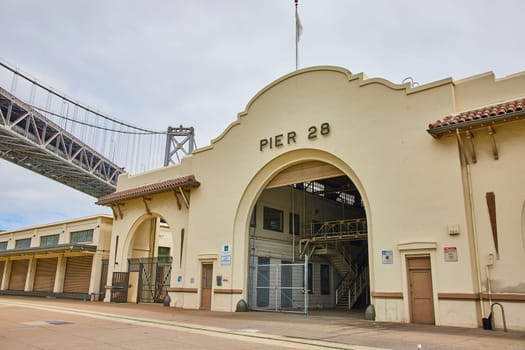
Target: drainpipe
[[488, 285], [474, 237]]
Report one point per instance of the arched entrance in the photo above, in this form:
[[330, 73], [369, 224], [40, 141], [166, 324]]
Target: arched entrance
[[308, 232], [149, 248]]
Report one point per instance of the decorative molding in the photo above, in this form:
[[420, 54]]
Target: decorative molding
[[145, 200], [389, 295], [208, 257], [227, 291], [475, 296], [458, 296], [491, 205], [183, 290], [417, 246], [505, 296]]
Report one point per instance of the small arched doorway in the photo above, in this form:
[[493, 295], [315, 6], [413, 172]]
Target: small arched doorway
[[149, 260], [308, 242]]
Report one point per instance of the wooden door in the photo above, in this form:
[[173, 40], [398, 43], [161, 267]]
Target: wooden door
[[206, 286], [420, 290]]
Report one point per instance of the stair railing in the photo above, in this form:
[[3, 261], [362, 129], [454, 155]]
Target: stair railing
[[357, 287]]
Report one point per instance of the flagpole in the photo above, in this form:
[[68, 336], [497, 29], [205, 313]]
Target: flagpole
[[296, 36]]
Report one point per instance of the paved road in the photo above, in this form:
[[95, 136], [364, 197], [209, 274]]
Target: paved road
[[31, 323]]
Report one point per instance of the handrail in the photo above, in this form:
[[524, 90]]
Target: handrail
[[502, 315], [338, 228]]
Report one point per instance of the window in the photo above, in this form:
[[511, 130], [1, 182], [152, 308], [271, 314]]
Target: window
[[23, 243], [85, 236], [163, 254], [316, 227], [163, 223], [310, 278], [293, 223], [346, 198], [3, 245], [48, 241], [314, 187], [253, 219], [273, 219], [325, 279]]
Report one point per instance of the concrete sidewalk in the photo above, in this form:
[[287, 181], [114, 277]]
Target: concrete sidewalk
[[339, 330]]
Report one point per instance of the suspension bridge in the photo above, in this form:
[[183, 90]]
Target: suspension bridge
[[53, 135]]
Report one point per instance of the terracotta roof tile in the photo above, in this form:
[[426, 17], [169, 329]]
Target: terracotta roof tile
[[186, 181], [477, 117]]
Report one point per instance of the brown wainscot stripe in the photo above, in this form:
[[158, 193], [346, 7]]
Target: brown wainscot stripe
[[391, 295], [227, 291], [505, 296], [458, 296], [183, 290], [484, 295]]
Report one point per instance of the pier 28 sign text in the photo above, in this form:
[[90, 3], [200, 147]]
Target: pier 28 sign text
[[291, 137]]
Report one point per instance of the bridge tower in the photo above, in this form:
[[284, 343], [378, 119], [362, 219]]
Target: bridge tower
[[179, 142]]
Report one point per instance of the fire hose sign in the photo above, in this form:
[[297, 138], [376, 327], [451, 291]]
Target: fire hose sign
[[451, 253]]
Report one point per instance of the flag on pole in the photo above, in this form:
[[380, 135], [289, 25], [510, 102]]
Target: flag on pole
[[298, 25]]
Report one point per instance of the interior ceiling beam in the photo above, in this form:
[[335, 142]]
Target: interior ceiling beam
[[304, 172]]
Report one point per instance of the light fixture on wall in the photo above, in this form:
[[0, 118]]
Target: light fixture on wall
[[453, 230]]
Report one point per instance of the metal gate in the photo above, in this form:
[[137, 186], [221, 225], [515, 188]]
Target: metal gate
[[103, 279], [278, 287], [2, 266], [119, 287], [154, 278]]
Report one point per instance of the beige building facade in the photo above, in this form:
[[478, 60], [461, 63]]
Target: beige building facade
[[348, 190], [66, 259]]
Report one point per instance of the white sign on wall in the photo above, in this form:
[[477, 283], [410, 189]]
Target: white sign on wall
[[387, 256], [226, 254], [451, 253]]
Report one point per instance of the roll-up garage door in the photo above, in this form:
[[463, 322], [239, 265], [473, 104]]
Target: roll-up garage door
[[78, 273], [2, 265], [18, 274], [46, 270]]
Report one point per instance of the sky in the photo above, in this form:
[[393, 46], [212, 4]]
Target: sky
[[163, 63]]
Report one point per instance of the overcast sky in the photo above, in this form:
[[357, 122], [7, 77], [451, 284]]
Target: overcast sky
[[197, 63]]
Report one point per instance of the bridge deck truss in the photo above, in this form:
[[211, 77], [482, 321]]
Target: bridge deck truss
[[31, 140]]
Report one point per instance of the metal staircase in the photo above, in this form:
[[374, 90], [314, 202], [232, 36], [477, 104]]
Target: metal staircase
[[359, 284], [338, 259], [327, 239], [352, 284]]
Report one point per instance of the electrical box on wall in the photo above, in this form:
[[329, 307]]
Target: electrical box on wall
[[453, 230], [490, 260]]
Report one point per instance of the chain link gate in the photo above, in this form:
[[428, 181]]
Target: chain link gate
[[278, 287], [154, 278]]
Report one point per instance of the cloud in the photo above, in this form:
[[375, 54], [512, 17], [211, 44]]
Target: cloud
[[167, 63]]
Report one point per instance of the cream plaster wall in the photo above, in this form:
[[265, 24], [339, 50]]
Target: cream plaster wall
[[503, 178], [134, 229], [411, 183]]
